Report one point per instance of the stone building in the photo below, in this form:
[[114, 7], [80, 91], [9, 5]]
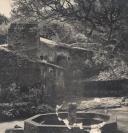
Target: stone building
[[68, 61], [26, 73], [71, 58], [21, 65], [28, 59]]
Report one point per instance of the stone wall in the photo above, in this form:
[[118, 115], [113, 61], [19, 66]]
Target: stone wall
[[14, 68], [27, 74], [24, 38], [110, 88]]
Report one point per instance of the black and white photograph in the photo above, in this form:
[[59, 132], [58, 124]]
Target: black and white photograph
[[63, 66]]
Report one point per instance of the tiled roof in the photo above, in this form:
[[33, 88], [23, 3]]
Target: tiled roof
[[40, 62], [53, 44]]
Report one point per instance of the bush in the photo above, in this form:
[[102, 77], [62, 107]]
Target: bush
[[119, 70], [10, 93], [44, 109], [21, 110]]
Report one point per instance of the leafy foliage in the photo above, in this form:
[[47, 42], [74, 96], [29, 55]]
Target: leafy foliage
[[22, 110], [104, 21], [16, 103], [119, 71], [107, 11], [3, 19]]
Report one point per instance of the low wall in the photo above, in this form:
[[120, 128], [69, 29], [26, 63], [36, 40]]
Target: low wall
[[110, 88]]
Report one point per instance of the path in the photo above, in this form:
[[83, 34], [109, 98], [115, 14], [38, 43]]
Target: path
[[5, 125]]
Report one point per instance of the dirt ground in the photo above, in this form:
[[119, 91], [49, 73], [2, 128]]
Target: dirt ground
[[7, 125], [122, 117]]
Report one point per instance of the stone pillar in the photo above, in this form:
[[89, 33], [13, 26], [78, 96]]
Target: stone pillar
[[72, 109]]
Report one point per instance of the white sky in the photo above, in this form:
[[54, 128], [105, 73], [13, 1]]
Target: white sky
[[5, 7]]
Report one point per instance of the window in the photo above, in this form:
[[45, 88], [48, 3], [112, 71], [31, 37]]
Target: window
[[41, 57]]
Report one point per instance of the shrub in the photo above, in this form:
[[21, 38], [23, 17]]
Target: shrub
[[22, 110]]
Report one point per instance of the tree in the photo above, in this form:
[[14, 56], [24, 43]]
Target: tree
[[104, 21], [104, 16], [3, 19], [3, 29]]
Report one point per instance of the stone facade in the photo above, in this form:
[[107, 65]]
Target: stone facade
[[20, 64], [72, 59], [25, 73], [15, 68], [24, 38]]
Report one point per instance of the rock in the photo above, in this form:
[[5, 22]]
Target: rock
[[16, 126]]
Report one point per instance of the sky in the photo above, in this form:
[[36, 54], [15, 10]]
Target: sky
[[5, 7]]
